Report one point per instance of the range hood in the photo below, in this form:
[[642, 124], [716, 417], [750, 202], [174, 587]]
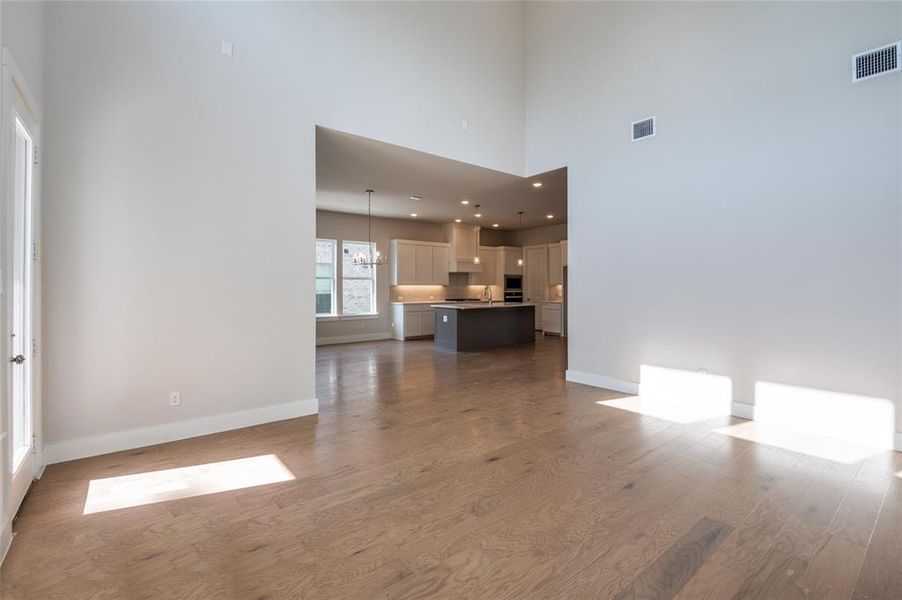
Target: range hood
[[463, 251]]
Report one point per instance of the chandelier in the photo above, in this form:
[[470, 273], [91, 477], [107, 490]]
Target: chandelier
[[369, 258]]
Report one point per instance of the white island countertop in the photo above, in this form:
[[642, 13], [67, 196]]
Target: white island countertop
[[482, 305]]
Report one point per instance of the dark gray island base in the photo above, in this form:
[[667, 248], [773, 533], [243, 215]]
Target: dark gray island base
[[473, 326]]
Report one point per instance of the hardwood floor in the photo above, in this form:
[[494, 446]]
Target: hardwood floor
[[432, 474]]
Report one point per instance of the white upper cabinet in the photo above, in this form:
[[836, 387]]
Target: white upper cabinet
[[491, 260], [511, 256], [463, 242], [555, 264], [440, 264], [419, 263], [424, 275], [403, 263]]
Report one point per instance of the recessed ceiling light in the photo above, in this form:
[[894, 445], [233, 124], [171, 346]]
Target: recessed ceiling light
[[536, 184], [494, 224], [416, 197], [549, 216], [478, 215], [464, 201], [415, 214], [458, 220]]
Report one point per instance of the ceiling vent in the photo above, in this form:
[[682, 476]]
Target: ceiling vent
[[644, 128], [876, 62]]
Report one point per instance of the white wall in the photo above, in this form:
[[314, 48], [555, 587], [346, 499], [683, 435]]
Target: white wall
[[22, 24], [179, 193], [758, 234]]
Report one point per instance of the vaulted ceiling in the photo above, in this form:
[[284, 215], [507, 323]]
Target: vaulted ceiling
[[347, 164]]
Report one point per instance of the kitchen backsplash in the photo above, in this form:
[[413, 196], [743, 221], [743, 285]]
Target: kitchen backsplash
[[458, 287], [411, 293]]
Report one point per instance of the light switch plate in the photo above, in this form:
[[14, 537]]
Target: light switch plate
[[226, 48]]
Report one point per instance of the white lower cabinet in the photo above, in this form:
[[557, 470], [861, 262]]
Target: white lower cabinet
[[412, 320], [551, 318], [427, 321]]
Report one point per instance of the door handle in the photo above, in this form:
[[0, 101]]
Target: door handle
[[18, 359]]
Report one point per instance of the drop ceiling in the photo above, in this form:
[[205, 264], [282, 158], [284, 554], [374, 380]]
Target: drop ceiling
[[347, 164]]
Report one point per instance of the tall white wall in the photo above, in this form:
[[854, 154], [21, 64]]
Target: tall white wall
[[758, 234], [179, 192], [22, 31]]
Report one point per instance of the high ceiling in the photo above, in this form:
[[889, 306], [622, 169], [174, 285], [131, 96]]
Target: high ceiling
[[346, 165]]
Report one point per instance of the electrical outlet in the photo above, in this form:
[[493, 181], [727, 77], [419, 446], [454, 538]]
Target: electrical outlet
[[175, 399]]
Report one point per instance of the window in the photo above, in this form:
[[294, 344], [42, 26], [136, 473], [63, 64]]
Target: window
[[325, 278], [358, 283]]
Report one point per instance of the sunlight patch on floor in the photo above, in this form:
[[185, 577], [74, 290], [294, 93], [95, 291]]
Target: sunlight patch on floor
[[852, 418], [803, 442], [125, 491], [669, 411]]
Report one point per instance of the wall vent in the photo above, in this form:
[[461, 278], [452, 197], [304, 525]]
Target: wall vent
[[876, 62], [644, 128]]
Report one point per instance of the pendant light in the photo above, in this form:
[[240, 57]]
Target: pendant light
[[369, 258], [478, 228], [520, 237]]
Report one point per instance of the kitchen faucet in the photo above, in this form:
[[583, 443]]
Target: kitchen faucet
[[488, 292]]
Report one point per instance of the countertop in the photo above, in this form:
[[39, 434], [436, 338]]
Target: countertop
[[482, 305], [416, 301]]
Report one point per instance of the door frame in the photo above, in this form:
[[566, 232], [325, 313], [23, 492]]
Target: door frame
[[16, 99]]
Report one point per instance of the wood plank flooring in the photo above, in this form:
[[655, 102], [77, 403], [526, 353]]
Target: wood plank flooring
[[433, 474]]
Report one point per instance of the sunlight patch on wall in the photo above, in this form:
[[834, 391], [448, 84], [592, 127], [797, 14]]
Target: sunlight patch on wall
[[678, 395], [125, 491]]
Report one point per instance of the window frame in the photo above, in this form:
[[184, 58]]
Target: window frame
[[374, 306], [334, 280]]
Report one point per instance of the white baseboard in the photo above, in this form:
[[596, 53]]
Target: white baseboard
[[743, 410], [349, 339], [608, 383], [179, 430]]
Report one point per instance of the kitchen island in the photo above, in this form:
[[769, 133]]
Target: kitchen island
[[477, 325]]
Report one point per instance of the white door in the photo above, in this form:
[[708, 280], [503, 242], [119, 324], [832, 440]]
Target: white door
[[536, 274], [20, 158]]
